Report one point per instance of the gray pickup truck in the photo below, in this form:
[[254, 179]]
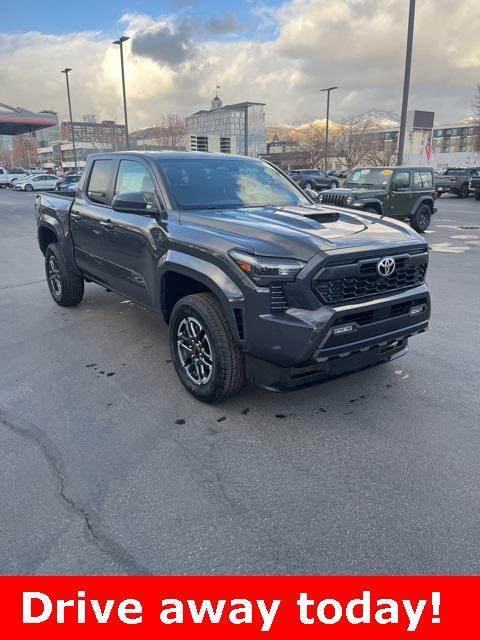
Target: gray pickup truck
[[255, 280], [474, 186], [455, 181]]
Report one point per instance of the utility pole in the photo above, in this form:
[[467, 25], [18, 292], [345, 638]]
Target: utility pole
[[328, 89], [406, 83], [246, 130], [120, 42], [66, 71]]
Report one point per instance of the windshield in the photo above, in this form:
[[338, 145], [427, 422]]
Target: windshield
[[217, 183], [379, 178], [456, 172]]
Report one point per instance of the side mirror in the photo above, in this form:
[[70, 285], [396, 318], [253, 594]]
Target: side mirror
[[314, 195], [134, 202]]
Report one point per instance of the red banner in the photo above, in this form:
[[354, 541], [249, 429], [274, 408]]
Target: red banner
[[243, 607]]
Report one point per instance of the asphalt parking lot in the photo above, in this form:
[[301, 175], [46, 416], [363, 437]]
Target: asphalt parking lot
[[107, 466]]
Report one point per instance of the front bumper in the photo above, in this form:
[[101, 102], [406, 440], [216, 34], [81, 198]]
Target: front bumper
[[301, 346]]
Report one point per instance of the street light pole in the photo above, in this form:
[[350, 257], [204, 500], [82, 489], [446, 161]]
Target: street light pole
[[66, 72], [120, 42], [328, 89], [406, 83]]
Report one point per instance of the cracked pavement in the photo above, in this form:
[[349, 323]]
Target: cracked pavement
[[107, 466]]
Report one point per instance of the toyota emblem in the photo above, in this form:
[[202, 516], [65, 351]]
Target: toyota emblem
[[386, 266]]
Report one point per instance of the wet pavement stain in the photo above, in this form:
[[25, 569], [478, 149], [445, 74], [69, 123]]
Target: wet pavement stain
[[181, 421], [222, 419], [94, 364], [110, 373], [280, 416], [245, 411]]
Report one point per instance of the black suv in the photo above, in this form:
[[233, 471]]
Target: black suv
[[404, 193], [314, 179]]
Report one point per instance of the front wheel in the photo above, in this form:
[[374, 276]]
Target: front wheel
[[421, 218], [207, 360], [477, 195], [65, 286], [464, 192], [334, 185]]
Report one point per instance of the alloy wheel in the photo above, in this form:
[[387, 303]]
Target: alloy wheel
[[54, 276], [194, 351]]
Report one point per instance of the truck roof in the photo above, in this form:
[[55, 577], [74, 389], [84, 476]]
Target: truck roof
[[170, 155]]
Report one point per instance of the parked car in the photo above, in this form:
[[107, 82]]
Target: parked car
[[43, 182], [404, 193], [254, 280], [455, 181], [314, 179], [68, 184], [474, 185], [338, 174], [7, 176]]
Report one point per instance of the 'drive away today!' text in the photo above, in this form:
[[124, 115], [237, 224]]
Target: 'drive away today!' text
[[39, 608]]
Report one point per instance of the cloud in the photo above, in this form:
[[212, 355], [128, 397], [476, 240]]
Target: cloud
[[173, 63], [164, 44]]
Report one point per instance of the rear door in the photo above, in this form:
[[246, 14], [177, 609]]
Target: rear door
[[88, 216]]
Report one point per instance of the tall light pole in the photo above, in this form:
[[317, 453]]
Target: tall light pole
[[66, 72], [406, 82], [120, 42], [328, 89]]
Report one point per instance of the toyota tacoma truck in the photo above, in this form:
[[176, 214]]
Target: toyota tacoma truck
[[455, 181], [404, 193], [254, 280]]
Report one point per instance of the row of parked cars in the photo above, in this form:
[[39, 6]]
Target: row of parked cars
[[23, 180]]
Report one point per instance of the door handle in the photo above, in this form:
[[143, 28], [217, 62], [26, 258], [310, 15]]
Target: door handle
[[75, 217], [106, 224]]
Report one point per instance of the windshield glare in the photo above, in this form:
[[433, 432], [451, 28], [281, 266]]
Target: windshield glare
[[379, 178], [217, 184]]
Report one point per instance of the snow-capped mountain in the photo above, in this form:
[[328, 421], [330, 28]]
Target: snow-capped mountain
[[379, 120]]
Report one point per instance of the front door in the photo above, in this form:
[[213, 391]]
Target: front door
[[401, 195]]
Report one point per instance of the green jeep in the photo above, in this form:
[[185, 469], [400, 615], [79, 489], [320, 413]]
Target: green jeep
[[405, 193]]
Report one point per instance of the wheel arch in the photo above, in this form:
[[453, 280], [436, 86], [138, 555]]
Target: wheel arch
[[46, 235], [428, 200], [376, 205]]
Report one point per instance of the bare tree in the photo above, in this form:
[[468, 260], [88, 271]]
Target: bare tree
[[383, 154], [170, 131], [354, 142], [310, 139]]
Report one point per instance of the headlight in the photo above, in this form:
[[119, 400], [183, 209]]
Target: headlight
[[320, 198], [350, 200], [263, 270]]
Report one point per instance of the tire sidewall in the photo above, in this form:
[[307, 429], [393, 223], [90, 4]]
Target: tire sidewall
[[52, 251], [206, 391], [415, 220], [28, 187]]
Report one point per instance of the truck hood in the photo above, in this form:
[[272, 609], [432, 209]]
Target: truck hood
[[297, 232]]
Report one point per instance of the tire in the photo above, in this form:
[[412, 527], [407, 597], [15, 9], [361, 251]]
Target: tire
[[334, 185], [214, 377], [28, 187], [477, 195], [420, 220], [464, 192], [439, 194], [66, 288]]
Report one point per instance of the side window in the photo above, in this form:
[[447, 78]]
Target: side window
[[422, 180], [134, 177], [99, 181], [402, 179]]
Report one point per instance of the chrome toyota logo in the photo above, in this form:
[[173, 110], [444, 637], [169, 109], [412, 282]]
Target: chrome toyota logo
[[386, 266]]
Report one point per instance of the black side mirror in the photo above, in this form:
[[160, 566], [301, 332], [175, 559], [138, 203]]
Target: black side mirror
[[134, 202], [314, 195]]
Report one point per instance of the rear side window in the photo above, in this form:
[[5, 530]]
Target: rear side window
[[99, 180], [422, 180]]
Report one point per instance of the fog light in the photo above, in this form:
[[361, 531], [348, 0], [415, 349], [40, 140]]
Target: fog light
[[420, 308], [344, 328]]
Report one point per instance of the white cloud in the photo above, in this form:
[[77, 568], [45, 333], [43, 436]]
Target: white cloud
[[356, 44]]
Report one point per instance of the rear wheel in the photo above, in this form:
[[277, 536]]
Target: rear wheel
[[421, 218], [477, 195], [334, 185], [28, 187], [464, 192], [65, 286], [439, 194], [207, 360]]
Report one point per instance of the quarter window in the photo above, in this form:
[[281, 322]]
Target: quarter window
[[134, 177], [422, 180], [99, 181], [402, 179]]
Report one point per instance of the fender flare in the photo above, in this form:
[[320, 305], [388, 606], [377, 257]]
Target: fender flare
[[419, 201], [367, 203], [208, 274], [49, 222]]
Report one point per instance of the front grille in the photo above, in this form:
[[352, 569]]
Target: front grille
[[334, 198], [385, 312], [339, 283], [278, 300]]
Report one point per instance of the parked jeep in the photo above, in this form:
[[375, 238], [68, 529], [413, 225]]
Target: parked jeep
[[404, 193]]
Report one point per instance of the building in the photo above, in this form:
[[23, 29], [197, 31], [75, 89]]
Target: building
[[457, 144], [25, 150], [46, 136], [159, 138], [106, 132], [234, 128], [59, 155]]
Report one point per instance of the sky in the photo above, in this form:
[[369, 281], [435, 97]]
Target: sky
[[280, 52]]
